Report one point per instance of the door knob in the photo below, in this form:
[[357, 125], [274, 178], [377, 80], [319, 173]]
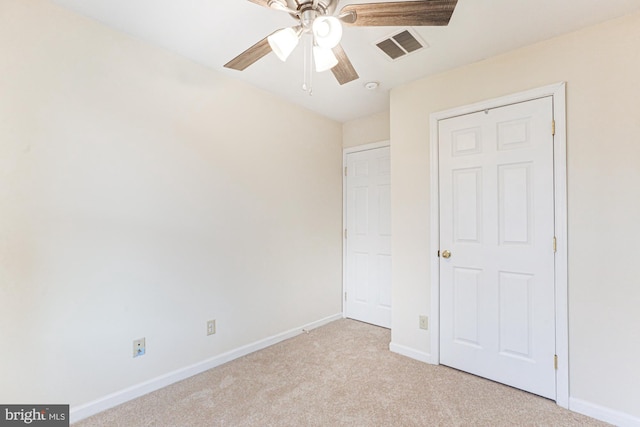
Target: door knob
[[446, 254]]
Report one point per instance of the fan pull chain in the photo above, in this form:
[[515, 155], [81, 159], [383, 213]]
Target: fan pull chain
[[304, 67], [307, 84]]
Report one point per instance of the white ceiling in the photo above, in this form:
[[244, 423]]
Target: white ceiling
[[212, 32]]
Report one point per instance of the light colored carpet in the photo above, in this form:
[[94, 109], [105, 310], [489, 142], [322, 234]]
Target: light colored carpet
[[341, 374]]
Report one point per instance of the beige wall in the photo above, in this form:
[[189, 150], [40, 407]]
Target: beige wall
[[141, 195], [601, 66], [374, 128]]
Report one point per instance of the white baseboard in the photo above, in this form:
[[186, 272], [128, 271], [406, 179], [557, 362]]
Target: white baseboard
[[80, 412], [410, 352], [601, 413]]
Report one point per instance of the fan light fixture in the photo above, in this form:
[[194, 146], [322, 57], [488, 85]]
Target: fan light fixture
[[324, 58], [327, 31], [283, 41]]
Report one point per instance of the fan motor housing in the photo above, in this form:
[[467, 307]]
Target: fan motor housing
[[323, 7]]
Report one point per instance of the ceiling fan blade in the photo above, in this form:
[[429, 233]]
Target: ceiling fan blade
[[344, 71], [249, 56], [399, 13], [280, 5]]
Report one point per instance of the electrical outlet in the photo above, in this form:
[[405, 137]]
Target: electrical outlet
[[424, 322], [139, 347], [211, 327]]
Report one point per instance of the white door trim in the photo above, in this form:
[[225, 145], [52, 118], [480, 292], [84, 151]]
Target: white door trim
[[345, 151], [557, 91], [364, 147]]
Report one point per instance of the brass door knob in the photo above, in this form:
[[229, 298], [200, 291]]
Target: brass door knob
[[446, 254]]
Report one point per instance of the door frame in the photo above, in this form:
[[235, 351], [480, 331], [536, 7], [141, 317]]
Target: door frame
[[345, 151], [558, 93]]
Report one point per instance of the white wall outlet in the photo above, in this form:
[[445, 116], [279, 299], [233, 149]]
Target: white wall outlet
[[211, 327], [139, 347], [424, 322]]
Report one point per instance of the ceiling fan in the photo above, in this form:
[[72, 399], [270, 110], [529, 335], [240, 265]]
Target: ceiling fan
[[315, 17]]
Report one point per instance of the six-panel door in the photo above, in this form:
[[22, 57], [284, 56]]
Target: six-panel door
[[368, 243], [497, 220]]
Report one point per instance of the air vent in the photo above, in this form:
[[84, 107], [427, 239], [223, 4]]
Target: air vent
[[401, 44]]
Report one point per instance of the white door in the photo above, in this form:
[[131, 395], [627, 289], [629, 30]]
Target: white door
[[497, 222], [368, 237]]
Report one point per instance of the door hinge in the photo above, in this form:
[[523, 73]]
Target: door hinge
[[345, 233], [345, 296], [553, 127], [345, 171], [555, 244], [555, 362]]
